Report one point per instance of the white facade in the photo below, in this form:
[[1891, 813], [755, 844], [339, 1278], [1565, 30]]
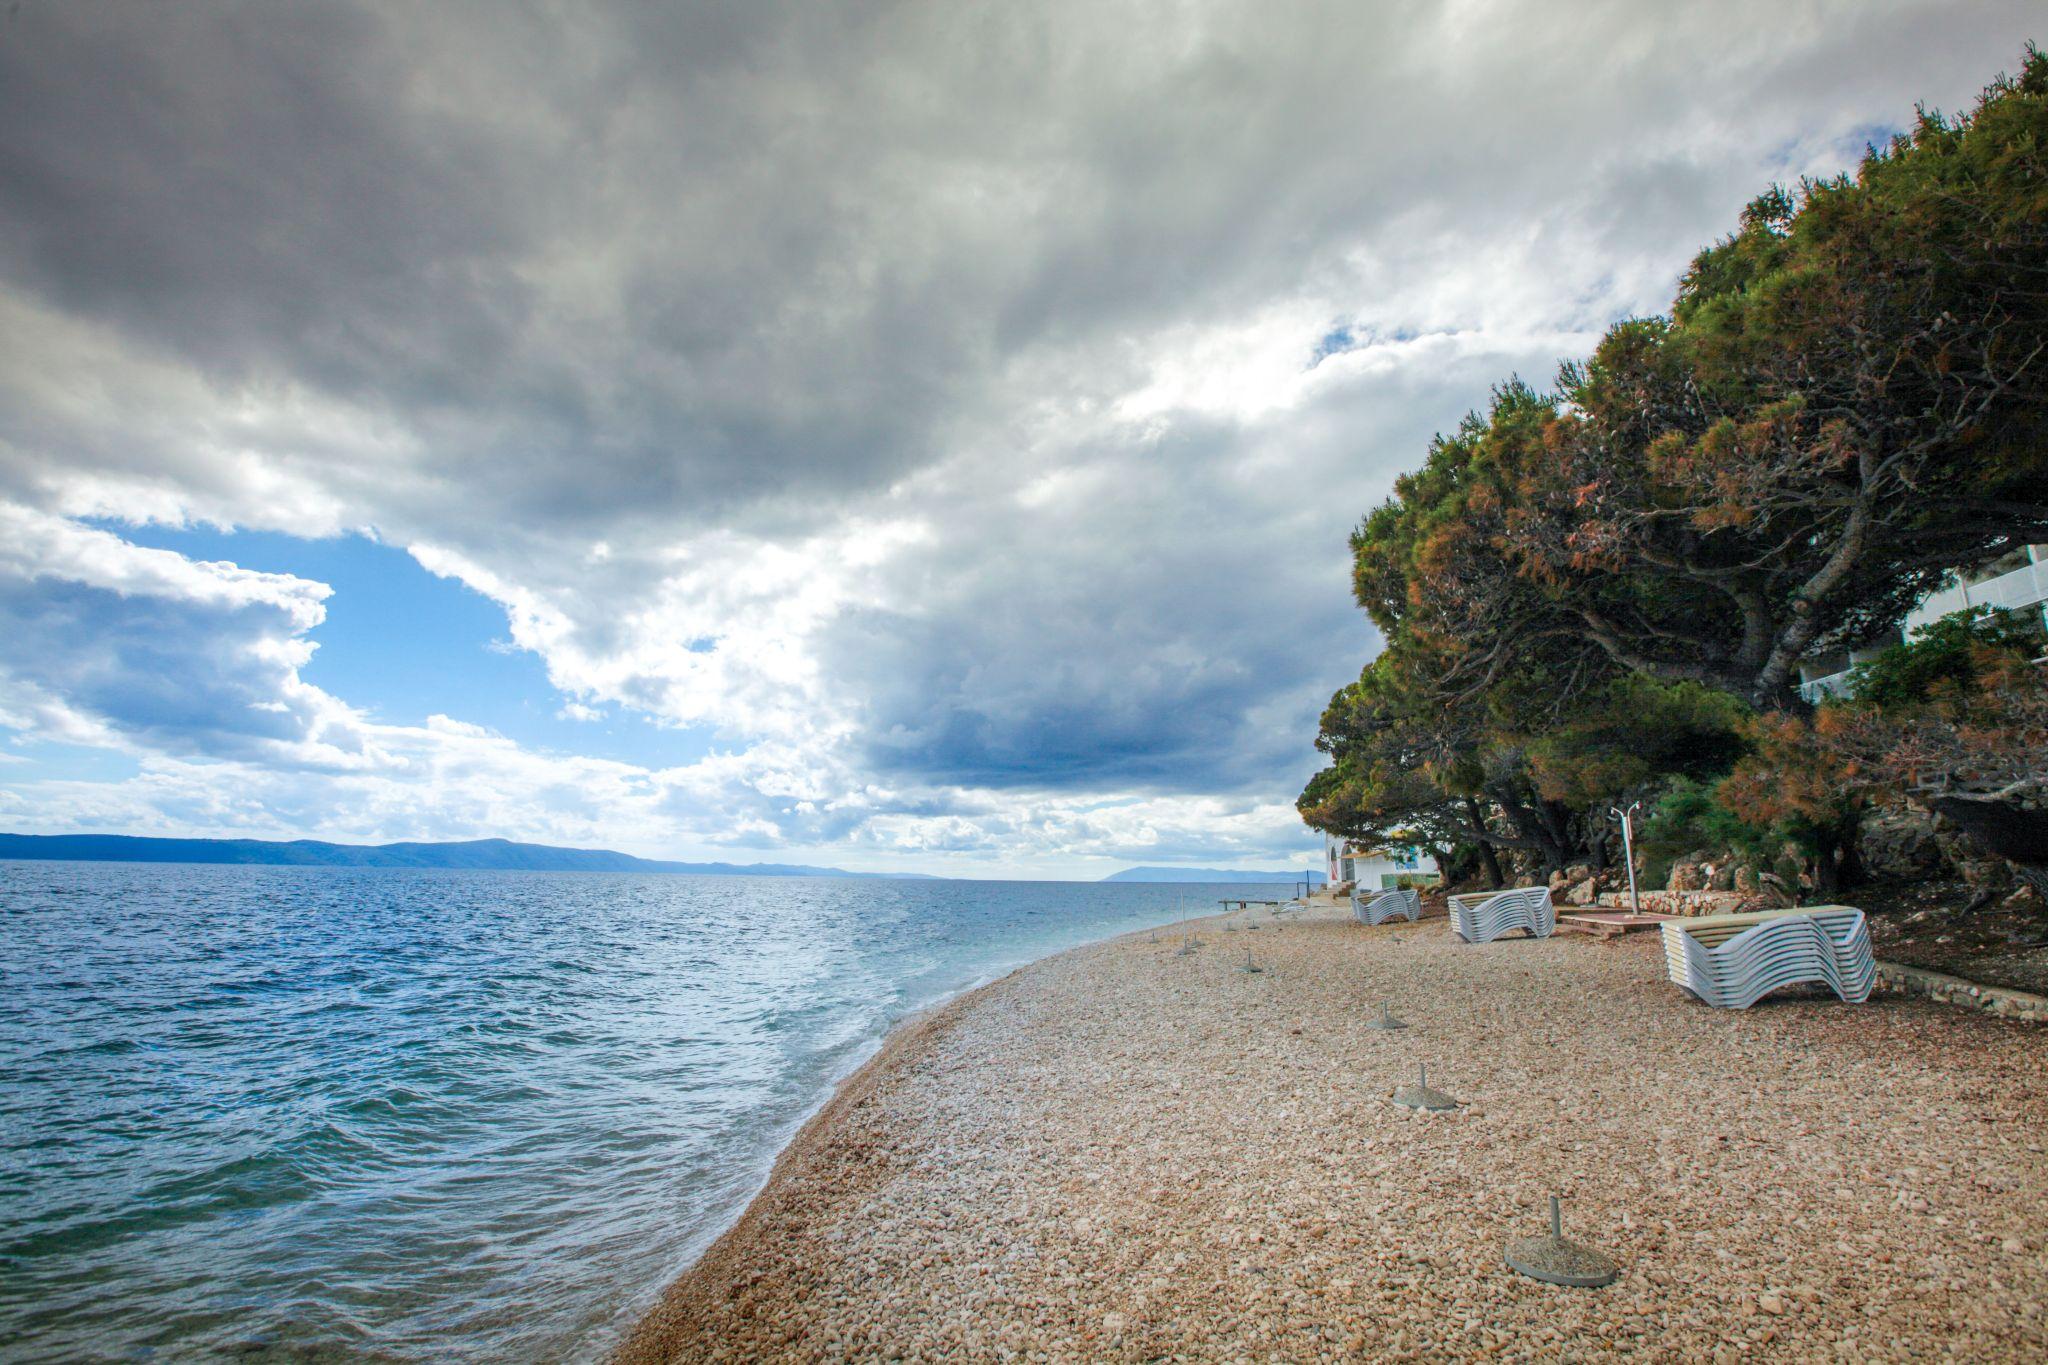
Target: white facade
[[1344, 861], [2024, 588]]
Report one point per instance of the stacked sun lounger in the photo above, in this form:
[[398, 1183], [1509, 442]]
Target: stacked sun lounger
[[1732, 961], [1385, 905], [1483, 916]]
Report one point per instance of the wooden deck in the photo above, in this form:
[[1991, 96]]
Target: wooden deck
[[1606, 924]]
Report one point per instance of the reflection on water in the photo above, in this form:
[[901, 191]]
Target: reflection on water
[[415, 1113]]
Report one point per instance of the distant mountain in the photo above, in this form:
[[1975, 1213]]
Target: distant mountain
[[483, 854], [1207, 874]]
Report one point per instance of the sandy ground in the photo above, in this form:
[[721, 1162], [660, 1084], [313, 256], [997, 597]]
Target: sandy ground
[[1127, 1153]]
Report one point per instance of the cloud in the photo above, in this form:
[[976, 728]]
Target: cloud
[[106, 637], [193, 667], [959, 414]]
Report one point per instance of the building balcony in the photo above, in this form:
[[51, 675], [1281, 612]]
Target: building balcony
[[2016, 590], [1817, 690]]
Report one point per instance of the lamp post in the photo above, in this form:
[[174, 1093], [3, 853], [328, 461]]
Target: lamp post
[[1628, 850]]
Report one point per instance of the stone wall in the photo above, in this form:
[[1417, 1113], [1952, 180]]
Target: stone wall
[[1897, 978], [1681, 902]]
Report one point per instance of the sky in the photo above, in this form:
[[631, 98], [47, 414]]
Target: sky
[[896, 436]]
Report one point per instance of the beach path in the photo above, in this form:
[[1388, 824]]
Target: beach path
[[1132, 1152]]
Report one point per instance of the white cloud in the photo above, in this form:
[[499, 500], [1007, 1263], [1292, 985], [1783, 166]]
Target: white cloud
[[923, 403]]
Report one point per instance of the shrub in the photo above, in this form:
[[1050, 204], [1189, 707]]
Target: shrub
[[1690, 816]]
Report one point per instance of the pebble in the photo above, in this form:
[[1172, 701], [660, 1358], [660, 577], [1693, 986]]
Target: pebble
[[1125, 1153]]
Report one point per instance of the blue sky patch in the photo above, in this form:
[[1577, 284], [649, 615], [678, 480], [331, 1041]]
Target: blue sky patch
[[45, 761], [406, 644]]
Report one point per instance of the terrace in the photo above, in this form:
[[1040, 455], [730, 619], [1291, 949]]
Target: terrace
[[2010, 587]]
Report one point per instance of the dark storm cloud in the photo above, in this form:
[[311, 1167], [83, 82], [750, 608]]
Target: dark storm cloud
[[257, 189], [912, 393], [608, 264], [1173, 625], [670, 259]]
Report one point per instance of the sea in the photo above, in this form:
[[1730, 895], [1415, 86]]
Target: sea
[[320, 1113]]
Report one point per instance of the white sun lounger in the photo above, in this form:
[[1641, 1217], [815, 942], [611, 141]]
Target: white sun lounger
[[1385, 905], [1732, 961], [1483, 916]]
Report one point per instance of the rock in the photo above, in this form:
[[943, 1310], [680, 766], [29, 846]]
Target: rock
[[1577, 872], [1721, 877], [1746, 881], [1901, 845], [1972, 861], [1585, 893], [1686, 876], [1771, 1304]]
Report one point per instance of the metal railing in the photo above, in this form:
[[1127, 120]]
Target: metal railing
[[2014, 590], [1833, 685]]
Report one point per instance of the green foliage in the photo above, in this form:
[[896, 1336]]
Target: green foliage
[[1849, 397], [1635, 732], [1591, 591], [1399, 765], [1945, 656], [1689, 817]]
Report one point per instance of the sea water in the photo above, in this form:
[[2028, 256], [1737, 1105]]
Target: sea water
[[338, 1113]]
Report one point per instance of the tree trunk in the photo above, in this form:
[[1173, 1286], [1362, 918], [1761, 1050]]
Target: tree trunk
[[1827, 878], [1774, 688], [1488, 864], [1535, 825], [1837, 865], [1557, 818], [1596, 848], [1850, 872]]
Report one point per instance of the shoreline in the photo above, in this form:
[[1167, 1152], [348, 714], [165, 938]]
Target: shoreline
[[1120, 1151], [889, 1052]]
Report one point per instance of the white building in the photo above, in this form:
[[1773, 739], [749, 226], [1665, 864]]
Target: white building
[[2018, 584], [1374, 870]]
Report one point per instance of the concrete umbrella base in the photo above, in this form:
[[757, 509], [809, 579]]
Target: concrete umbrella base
[[1556, 1259], [1386, 1021], [1420, 1096]]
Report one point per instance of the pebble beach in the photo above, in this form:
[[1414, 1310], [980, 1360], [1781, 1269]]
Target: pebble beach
[[1148, 1150]]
